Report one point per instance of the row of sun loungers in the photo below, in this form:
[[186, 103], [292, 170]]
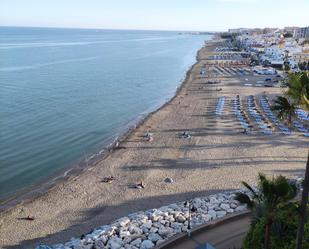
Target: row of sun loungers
[[284, 130], [225, 57], [300, 127], [252, 109], [302, 115], [239, 114], [261, 120], [231, 71], [220, 105], [223, 49]]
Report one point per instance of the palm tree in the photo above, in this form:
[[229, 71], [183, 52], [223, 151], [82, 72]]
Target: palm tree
[[284, 107], [298, 91], [303, 208], [269, 197]]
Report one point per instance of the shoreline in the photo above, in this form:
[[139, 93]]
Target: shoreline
[[103, 151], [216, 158]]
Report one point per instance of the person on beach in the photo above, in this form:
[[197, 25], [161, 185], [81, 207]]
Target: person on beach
[[140, 185], [108, 179], [149, 137], [30, 218]]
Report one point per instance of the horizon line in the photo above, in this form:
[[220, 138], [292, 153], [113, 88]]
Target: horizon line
[[90, 28]]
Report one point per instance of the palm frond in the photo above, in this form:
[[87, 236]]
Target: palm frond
[[249, 188], [244, 199]]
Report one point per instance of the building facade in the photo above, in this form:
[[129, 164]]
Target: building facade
[[301, 32]]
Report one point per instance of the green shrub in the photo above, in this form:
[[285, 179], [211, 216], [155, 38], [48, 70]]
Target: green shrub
[[283, 232]]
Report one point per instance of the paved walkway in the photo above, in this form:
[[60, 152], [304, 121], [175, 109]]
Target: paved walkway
[[227, 235]]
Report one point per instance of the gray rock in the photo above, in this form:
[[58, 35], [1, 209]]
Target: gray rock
[[181, 219], [213, 214], [147, 244], [114, 244], [43, 247], [177, 230], [213, 200], [127, 240], [154, 237], [207, 217], [230, 210], [136, 242], [123, 234], [217, 208], [221, 214], [58, 246], [176, 224], [135, 230], [166, 231], [155, 216], [160, 242], [123, 221], [233, 205], [153, 230], [240, 208], [197, 202], [147, 225], [211, 206], [73, 243], [225, 206], [99, 244]]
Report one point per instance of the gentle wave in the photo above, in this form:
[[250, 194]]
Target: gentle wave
[[36, 66], [6, 46]]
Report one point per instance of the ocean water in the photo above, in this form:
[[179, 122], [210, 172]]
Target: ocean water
[[66, 93]]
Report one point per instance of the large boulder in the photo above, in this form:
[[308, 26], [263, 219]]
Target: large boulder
[[225, 206], [115, 243], [220, 214], [99, 244], [137, 242], [135, 230], [147, 244], [181, 219], [166, 232], [123, 221], [240, 208], [213, 214], [154, 237]]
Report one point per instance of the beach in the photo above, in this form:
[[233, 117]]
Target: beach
[[216, 158]]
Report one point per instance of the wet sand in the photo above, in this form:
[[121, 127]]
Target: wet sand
[[216, 158]]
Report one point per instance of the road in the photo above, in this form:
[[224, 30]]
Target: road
[[227, 235]]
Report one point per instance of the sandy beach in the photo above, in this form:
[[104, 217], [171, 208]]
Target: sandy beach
[[216, 158]]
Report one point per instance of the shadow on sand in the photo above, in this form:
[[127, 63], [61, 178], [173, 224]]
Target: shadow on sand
[[105, 214]]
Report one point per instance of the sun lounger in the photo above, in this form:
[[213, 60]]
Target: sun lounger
[[267, 132]]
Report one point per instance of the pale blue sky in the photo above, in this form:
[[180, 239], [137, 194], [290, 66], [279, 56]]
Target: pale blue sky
[[213, 15]]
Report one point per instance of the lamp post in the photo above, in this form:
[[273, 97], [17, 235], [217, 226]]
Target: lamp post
[[192, 208]]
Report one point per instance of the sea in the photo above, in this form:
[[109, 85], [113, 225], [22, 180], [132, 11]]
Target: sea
[[66, 94]]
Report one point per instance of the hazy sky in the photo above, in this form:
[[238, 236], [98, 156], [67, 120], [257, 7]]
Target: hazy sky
[[155, 14]]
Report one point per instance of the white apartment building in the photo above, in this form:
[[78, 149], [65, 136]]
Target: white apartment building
[[301, 32]]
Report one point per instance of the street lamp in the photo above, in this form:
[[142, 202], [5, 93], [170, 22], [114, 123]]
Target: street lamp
[[192, 209]]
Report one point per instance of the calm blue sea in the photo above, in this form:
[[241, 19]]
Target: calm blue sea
[[65, 93]]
